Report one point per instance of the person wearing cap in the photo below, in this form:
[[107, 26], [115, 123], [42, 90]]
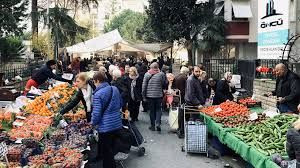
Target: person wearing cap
[[42, 75], [152, 91]]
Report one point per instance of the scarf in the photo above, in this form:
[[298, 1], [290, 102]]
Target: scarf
[[87, 95], [133, 84]]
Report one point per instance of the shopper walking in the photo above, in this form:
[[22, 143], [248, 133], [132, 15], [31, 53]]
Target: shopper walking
[[152, 91], [135, 93], [106, 116]]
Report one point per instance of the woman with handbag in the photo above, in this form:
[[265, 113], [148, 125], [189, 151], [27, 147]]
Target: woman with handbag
[[107, 103]]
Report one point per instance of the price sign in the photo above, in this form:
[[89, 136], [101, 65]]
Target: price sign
[[4, 151]]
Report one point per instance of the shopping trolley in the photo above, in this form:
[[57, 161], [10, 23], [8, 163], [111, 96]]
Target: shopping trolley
[[196, 135], [175, 104]]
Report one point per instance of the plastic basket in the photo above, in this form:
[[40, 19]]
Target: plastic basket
[[196, 137]]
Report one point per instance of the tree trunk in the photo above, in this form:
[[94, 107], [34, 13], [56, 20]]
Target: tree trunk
[[34, 18], [189, 47]]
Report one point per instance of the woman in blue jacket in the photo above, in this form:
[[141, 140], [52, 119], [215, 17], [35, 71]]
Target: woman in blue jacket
[[106, 116]]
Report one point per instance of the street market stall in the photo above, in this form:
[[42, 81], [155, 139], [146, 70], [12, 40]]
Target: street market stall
[[249, 132], [33, 134]]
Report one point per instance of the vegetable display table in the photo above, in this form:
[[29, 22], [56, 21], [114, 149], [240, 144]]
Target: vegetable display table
[[248, 153]]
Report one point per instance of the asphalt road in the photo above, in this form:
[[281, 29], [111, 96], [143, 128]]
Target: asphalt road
[[164, 151]]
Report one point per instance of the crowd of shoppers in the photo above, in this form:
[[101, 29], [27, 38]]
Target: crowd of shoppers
[[119, 86]]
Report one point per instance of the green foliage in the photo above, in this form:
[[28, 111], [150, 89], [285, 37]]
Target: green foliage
[[128, 23], [12, 12], [63, 27], [42, 47], [213, 36], [183, 21], [11, 48], [89, 34]]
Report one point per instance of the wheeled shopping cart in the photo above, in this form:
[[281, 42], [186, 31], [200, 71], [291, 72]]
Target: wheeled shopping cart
[[175, 105], [196, 135]]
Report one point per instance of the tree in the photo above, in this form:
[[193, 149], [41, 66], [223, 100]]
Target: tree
[[213, 37], [65, 4], [181, 21], [11, 14], [89, 34], [42, 47], [11, 48], [63, 27], [128, 23]]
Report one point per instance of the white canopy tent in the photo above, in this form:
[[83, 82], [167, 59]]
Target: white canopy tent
[[97, 44]]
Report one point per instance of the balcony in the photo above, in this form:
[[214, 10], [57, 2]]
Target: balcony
[[237, 31]]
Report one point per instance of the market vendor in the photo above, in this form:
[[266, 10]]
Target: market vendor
[[224, 90], [212, 86], [43, 74], [84, 94], [287, 89]]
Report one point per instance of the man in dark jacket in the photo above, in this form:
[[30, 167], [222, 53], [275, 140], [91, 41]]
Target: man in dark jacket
[[180, 83], [43, 74], [193, 93], [287, 89], [152, 91]]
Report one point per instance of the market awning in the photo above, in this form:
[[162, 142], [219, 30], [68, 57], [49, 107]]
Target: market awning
[[153, 47], [97, 44], [241, 9]]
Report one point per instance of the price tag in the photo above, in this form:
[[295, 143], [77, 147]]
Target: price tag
[[21, 117], [253, 116], [218, 109], [19, 141], [63, 123], [19, 124]]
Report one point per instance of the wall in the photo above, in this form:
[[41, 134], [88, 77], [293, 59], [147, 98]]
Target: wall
[[247, 51], [261, 87], [253, 21]]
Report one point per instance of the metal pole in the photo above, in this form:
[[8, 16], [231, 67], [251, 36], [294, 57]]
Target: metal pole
[[171, 67], [49, 31]]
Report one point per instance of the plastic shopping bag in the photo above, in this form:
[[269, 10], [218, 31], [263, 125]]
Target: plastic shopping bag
[[173, 118]]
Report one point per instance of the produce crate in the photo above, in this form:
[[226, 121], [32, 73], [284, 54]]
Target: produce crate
[[251, 105], [15, 153]]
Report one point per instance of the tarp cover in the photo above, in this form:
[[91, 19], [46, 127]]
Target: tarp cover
[[97, 44]]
